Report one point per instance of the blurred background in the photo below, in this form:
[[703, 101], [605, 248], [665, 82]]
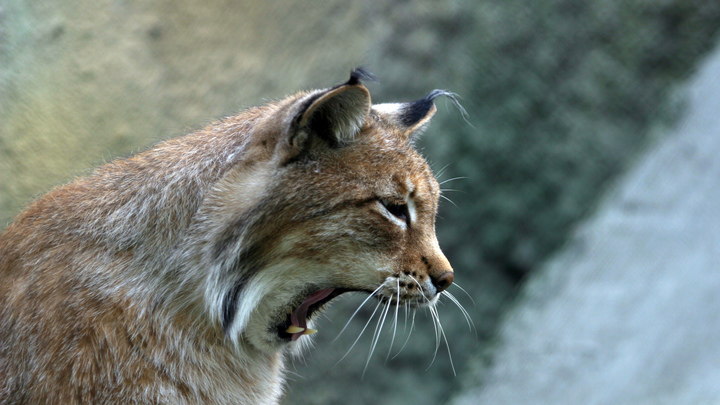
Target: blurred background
[[563, 96]]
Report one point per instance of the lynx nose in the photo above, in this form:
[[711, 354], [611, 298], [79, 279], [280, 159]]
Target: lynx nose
[[442, 282]]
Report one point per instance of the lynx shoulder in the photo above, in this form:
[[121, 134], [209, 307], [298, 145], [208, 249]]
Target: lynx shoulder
[[187, 273]]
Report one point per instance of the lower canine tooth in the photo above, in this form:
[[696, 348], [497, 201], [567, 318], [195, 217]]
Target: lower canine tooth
[[295, 329], [309, 331]]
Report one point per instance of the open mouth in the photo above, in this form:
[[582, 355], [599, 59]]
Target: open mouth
[[295, 325]]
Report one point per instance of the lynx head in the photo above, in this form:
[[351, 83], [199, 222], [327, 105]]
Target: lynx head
[[329, 197]]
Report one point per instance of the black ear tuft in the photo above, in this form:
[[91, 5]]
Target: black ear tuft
[[413, 112], [412, 117], [416, 111], [360, 74], [452, 96]]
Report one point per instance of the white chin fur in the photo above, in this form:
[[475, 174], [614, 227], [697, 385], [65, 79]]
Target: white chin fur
[[258, 304]]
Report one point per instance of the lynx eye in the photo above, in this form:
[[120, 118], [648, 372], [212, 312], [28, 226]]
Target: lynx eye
[[399, 211]]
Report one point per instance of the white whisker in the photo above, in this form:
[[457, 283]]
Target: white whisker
[[440, 173], [395, 322], [355, 313], [466, 293], [419, 286], [435, 315], [361, 333], [437, 333], [412, 326], [422, 290], [468, 319], [437, 338], [447, 344], [376, 335], [406, 317], [453, 179], [449, 200]]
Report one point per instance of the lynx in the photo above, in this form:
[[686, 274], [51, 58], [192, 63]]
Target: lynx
[[188, 273]]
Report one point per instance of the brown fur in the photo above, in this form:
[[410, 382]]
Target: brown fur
[[162, 278]]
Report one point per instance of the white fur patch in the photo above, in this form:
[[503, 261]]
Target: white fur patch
[[251, 296], [411, 210], [388, 108]]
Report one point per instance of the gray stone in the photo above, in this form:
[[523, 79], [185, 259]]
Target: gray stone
[[629, 311]]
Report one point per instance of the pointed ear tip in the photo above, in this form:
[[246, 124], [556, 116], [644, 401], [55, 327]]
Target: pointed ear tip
[[361, 92], [358, 74], [358, 93]]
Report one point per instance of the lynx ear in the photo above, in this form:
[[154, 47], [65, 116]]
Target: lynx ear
[[332, 116], [411, 118]]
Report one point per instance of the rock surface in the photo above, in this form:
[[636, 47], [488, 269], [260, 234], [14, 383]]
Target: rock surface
[[629, 312]]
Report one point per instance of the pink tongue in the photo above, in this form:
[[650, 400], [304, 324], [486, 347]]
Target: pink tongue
[[299, 315]]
